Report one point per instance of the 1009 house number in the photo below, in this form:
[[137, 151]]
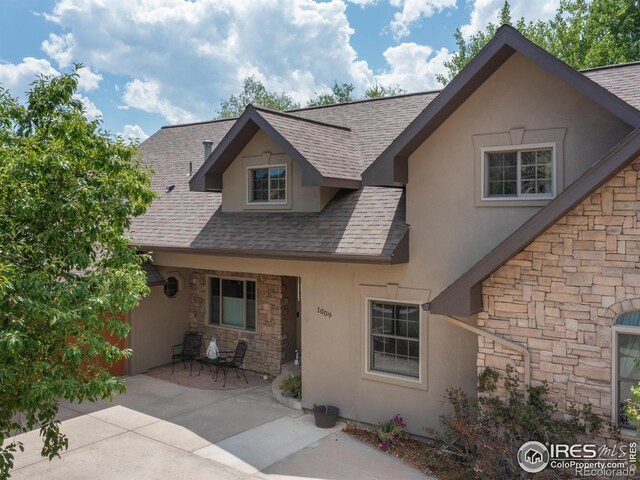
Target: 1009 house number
[[324, 312]]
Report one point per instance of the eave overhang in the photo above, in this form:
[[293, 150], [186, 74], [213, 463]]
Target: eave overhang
[[399, 255]]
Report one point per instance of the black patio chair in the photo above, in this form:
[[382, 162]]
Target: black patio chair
[[189, 350], [231, 363]]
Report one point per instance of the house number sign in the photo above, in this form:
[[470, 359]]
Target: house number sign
[[324, 312]]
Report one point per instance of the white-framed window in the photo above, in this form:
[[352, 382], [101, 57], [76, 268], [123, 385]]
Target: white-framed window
[[232, 302], [626, 372], [267, 184], [522, 172], [394, 338]]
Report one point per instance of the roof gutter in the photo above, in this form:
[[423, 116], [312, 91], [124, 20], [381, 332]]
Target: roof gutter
[[498, 339], [281, 255]]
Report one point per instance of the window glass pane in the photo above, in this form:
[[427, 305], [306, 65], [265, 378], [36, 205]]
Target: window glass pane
[[214, 300], [624, 394], [171, 287], [260, 184], [536, 172], [628, 356], [394, 338], [628, 372], [631, 319], [251, 306], [502, 175], [278, 183], [232, 302]]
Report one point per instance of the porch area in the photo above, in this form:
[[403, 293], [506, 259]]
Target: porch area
[[263, 310]]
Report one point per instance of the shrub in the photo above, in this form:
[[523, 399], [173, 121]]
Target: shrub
[[390, 432], [481, 437], [292, 386]]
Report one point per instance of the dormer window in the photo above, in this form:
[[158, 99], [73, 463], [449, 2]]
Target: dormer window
[[268, 184]]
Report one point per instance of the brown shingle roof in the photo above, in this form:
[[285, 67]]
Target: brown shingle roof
[[362, 223], [373, 123], [329, 148], [621, 80], [365, 222]]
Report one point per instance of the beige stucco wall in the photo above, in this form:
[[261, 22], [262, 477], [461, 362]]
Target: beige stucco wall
[[235, 182], [449, 233], [158, 323], [559, 298], [441, 193]]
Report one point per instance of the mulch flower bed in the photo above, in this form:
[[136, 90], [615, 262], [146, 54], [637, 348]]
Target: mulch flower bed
[[407, 449]]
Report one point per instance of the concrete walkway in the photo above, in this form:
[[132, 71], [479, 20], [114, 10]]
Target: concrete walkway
[[163, 430]]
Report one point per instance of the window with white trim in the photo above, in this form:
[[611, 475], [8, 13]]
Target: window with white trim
[[394, 338], [519, 173], [626, 358], [232, 302], [268, 184]]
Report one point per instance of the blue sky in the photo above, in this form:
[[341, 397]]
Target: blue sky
[[155, 62]]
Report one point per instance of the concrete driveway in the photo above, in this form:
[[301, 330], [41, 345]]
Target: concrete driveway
[[163, 430]]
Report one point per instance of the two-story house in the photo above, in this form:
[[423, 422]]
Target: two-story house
[[354, 233]]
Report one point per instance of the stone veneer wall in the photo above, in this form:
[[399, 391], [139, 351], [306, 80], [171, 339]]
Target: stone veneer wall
[[560, 296], [268, 343]]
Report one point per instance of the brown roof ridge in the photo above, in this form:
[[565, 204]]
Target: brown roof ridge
[[365, 100], [203, 122], [464, 296], [304, 119], [607, 67]]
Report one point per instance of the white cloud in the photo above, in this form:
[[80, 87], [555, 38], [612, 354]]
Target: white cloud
[[145, 96], [485, 11], [17, 77], [133, 132], [91, 112], [413, 67], [87, 80], [184, 57], [412, 11], [363, 3], [60, 48]]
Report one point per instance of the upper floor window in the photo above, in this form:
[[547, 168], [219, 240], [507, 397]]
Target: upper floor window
[[519, 173], [268, 184]]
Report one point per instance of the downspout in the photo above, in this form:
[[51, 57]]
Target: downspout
[[497, 339]]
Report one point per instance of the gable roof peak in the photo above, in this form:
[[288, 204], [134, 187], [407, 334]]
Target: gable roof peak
[[390, 168], [295, 117]]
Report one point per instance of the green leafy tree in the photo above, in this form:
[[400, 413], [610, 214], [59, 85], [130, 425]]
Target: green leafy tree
[[379, 91], [254, 92], [582, 34], [591, 34], [340, 93], [69, 192]]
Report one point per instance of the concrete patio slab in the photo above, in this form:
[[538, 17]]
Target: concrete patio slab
[[253, 437], [340, 457], [276, 440], [124, 417], [129, 456], [81, 431], [224, 419], [174, 435]]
